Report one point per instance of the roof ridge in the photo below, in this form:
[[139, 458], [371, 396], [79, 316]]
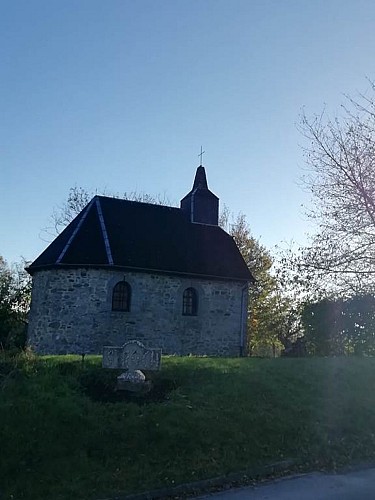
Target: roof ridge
[[104, 232], [73, 235], [137, 202]]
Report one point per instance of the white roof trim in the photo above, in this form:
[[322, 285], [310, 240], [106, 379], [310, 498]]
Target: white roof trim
[[83, 217], [104, 232]]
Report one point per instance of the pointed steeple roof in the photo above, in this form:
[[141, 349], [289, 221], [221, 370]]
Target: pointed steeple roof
[[200, 180]]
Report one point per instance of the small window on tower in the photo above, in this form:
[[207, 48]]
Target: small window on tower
[[190, 302], [121, 296]]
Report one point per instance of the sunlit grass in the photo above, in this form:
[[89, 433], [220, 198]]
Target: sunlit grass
[[221, 415]]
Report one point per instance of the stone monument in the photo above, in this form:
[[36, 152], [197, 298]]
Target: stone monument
[[133, 357]]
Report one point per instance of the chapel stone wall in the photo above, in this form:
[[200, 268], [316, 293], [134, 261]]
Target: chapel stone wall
[[71, 313]]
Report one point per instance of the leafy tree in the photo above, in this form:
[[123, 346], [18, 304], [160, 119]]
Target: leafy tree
[[15, 291], [273, 319], [340, 326], [341, 177]]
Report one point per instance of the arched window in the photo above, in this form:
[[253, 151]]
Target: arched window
[[121, 296], [190, 302]]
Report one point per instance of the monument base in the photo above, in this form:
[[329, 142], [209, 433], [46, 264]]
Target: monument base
[[134, 381]]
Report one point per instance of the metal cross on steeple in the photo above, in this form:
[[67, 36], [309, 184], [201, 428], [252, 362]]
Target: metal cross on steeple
[[201, 155]]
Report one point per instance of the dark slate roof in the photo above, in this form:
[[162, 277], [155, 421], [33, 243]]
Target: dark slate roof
[[111, 232]]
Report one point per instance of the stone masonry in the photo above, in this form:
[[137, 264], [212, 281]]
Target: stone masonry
[[72, 313]]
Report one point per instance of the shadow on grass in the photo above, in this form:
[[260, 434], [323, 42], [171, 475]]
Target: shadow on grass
[[100, 386]]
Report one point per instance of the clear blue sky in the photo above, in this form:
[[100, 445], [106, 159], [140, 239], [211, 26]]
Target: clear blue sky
[[121, 94]]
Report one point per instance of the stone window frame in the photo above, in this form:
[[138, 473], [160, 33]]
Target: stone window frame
[[190, 302], [128, 296], [202, 297]]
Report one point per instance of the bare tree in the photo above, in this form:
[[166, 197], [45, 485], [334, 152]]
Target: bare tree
[[341, 177]]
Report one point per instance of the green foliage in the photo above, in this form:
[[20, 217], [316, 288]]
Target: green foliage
[[220, 416], [272, 317], [341, 326], [15, 291]]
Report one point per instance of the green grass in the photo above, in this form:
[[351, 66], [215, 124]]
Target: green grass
[[220, 416]]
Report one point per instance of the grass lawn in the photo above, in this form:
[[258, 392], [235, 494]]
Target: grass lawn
[[63, 436]]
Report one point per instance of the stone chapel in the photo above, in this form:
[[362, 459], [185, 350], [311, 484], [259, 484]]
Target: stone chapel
[[124, 270]]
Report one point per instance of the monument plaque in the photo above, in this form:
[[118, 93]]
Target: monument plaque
[[133, 357]]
